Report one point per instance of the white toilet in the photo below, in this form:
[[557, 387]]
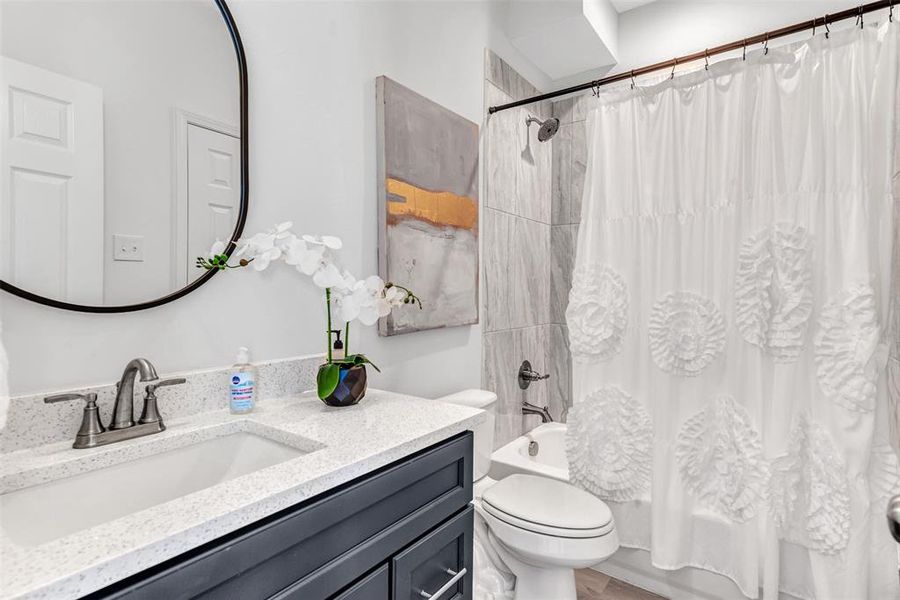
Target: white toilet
[[542, 529]]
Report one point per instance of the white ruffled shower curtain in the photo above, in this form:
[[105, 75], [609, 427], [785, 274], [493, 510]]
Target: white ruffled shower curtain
[[727, 317]]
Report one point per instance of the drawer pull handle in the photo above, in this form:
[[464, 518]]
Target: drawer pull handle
[[456, 577]]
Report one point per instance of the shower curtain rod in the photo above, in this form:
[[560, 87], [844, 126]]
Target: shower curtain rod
[[762, 38]]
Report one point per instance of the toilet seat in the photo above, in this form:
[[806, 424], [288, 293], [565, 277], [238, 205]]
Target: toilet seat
[[548, 507]]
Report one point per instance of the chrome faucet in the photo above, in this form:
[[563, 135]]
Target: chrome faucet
[[123, 411], [531, 409], [121, 424]]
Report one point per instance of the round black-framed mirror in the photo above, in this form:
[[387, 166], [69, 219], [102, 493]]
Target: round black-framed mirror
[[239, 218]]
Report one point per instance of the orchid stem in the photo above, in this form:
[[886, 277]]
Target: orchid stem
[[328, 306], [347, 340]]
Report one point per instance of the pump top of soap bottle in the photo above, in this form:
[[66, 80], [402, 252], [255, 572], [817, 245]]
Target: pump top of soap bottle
[[243, 356], [338, 348]]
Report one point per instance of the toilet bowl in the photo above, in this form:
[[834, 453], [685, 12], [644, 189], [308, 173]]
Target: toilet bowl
[[542, 529]]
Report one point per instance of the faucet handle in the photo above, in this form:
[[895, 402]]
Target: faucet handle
[[90, 398], [150, 414], [152, 387], [91, 426]]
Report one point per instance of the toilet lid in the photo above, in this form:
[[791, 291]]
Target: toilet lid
[[543, 505]]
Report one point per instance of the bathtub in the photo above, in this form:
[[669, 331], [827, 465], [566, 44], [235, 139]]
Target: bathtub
[[550, 460], [632, 565]]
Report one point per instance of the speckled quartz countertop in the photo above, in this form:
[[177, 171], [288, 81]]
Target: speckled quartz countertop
[[342, 444]]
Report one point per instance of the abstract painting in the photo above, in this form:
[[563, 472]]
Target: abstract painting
[[428, 209]]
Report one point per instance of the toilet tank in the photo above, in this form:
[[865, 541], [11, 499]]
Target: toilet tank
[[483, 433]]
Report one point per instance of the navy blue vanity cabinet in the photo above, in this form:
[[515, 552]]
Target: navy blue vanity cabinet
[[374, 585], [402, 532]]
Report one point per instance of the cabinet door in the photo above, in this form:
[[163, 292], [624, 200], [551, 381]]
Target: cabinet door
[[439, 565], [375, 586]]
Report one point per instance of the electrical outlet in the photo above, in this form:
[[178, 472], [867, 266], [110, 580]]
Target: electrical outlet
[[128, 247]]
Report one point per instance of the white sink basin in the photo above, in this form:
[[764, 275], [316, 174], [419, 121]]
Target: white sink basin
[[42, 513]]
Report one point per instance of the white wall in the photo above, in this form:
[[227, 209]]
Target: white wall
[[312, 160], [149, 58], [666, 29], [312, 138]]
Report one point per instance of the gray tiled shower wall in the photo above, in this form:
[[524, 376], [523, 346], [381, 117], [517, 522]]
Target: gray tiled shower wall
[[894, 328], [516, 221], [524, 252]]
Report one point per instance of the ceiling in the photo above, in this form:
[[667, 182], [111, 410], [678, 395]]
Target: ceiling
[[624, 5]]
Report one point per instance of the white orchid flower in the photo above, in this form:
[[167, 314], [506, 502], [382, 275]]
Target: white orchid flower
[[328, 276], [379, 302], [347, 306], [329, 241], [294, 249], [394, 296], [262, 249], [348, 282], [374, 283], [265, 247], [217, 248], [364, 300], [312, 256], [351, 300], [368, 314], [312, 259]]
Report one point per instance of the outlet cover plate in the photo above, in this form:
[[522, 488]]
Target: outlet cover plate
[[128, 247]]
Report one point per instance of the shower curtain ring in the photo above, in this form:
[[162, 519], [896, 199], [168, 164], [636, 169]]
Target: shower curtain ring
[[827, 28], [745, 49], [891, 14], [674, 64], [859, 17], [632, 79], [766, 45], [706, 57]]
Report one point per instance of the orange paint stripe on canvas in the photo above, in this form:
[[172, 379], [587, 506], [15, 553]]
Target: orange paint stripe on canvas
[[440, 208]]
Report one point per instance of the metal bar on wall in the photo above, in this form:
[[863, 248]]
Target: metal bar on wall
[[826, 21]]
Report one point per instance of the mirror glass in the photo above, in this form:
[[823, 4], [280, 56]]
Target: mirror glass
[[121, 153]]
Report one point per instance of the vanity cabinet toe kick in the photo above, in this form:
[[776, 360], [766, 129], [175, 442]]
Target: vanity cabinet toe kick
[[403, 532]]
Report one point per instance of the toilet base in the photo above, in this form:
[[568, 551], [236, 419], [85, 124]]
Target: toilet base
[[534, 583], [537, 583]]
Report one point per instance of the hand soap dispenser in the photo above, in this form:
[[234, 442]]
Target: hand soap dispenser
[[243, 384], [337, 351]]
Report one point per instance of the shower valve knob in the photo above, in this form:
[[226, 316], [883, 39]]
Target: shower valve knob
[[527, 375]]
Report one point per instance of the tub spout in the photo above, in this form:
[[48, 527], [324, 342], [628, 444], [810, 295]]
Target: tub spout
[[531, 409]]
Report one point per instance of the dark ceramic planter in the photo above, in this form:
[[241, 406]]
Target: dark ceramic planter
[[351, 387]]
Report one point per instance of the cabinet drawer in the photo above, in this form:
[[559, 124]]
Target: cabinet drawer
[[375, 586], [426, 568]]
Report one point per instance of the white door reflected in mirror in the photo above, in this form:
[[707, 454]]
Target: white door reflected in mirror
[[213, 193], [121, 152], [51, 200]]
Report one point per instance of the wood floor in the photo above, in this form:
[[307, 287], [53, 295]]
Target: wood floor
[[597, 586]]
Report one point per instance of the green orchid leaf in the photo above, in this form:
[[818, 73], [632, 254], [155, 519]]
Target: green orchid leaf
[[328, 378], [362, 359]]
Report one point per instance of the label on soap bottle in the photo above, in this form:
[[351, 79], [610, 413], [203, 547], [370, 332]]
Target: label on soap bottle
[[242, 385]]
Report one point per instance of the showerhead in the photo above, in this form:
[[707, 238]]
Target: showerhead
[[547, 129]]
